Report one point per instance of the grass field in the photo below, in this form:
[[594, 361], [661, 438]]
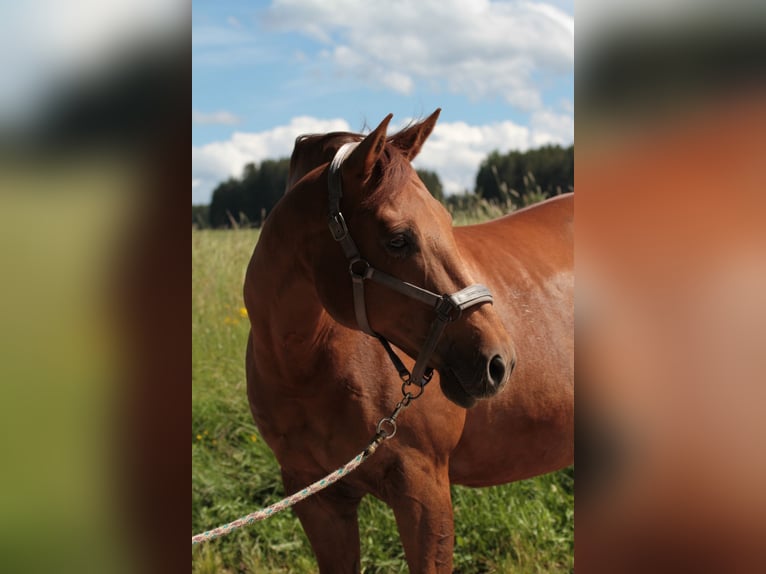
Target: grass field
[[527, 526]]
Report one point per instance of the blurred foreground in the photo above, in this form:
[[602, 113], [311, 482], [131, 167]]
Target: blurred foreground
[[93, 289], [671, 291]]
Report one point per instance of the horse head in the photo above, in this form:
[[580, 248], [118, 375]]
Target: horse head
[[399, 229]]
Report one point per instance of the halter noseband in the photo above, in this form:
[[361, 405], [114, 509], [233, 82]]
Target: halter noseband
[[447, 307]]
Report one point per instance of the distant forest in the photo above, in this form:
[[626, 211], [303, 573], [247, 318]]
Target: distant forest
[[513, 179]]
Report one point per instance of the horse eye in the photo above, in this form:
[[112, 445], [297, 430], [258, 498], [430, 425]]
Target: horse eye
[[398, 242]]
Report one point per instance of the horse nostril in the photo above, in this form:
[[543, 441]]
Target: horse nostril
[[496, 370]]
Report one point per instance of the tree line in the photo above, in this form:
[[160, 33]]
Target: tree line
[[510, 180]]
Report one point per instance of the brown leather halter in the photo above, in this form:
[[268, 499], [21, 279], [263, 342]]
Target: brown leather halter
[[447, 307]]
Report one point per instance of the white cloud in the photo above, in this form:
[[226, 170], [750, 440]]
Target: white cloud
[[550, 127], [483, 48], [400, 83], [454, 150], [217, 161], [215, 118]]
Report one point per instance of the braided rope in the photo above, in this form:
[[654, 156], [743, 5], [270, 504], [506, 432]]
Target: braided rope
[[320, 484]]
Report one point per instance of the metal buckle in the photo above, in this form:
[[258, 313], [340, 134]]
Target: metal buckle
[[337, 226]]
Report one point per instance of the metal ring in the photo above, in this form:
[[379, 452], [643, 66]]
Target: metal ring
[[384, 433], [365, 269], [421, 388]]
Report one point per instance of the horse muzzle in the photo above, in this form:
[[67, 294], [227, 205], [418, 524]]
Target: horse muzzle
[[466, 381]]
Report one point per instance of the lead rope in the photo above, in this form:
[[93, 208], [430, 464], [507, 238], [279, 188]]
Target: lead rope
[[385, 429]]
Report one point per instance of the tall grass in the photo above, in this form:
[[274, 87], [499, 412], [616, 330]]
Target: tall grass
[[521, 527]]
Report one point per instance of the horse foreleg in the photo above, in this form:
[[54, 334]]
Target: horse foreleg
[[422, 505], [329, 519]]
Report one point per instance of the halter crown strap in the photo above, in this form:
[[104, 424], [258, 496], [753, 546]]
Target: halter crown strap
[[334, 185], [337, 224]]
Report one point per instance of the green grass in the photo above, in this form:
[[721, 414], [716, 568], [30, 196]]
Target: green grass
[[523, 527]]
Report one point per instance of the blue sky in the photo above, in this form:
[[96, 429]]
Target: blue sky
[[265, 72]]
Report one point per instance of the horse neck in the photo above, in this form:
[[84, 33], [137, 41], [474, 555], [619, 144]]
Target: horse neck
[[280, 294]]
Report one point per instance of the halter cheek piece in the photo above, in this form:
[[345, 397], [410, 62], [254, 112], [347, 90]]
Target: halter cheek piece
[[447, 307]]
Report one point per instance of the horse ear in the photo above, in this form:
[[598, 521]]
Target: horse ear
[[411, 139], [361, 161]]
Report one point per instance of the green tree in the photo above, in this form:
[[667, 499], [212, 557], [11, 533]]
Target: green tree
[[432, 182], [245, 199], [541, 172], [226, 203]]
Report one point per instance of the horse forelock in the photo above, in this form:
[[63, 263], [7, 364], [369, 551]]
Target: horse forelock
[[390, 175]]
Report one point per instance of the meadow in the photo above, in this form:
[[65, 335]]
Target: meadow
[[524, 527]]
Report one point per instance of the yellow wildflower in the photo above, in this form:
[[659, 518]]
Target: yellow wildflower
[[199, 437], [253, 437], [243, 312]]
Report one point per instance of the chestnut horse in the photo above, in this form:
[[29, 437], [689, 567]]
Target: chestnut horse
[[318, 383]]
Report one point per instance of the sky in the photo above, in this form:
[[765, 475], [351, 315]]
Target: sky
[[265, 72]]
